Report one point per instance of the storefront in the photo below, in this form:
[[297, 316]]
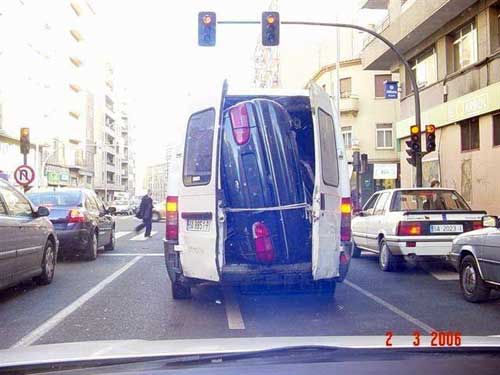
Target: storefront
[[379, 176], [57, 175]]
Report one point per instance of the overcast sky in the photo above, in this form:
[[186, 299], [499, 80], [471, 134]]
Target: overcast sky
[[154, 46]]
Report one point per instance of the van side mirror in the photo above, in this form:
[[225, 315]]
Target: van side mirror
[[42, 211], [490, 221]]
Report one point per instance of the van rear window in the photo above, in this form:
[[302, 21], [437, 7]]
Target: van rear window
[[198, 150], [329, 160]]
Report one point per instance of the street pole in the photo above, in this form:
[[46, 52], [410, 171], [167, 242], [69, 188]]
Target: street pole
[[408, 69]]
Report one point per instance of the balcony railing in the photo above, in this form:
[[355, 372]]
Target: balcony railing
[[349, 104]]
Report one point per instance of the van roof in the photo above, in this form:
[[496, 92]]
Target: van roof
[[266, 92]]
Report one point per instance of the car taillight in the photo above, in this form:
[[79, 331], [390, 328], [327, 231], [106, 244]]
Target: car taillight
[[477, 225], [264, 250], [409, 228], [345, 219], [75, 216], [240, 124], [172, 218]]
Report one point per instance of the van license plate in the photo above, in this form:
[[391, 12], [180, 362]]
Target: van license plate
[[198, 225], [447, 228]]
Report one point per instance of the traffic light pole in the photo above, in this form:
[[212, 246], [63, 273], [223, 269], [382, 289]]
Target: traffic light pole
[[413, 79]]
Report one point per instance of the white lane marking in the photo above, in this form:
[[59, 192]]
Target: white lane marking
[[121, 234], [233, 313], [49, 324], [445, 275], [132, 255], [140, 237], [393, 308]]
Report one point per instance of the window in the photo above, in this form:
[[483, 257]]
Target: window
[[379, 208], [53, 198], [16, 203], [345, 87], [380, 80], [496, 129], [328, 144], [412, 200], [469, 134], [368, 207], [464, 47], [347, 135], [384, 136], [424, 68], [3, 210], [198, 150], [91, 204]]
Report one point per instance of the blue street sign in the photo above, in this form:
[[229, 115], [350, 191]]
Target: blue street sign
[[391, 89]]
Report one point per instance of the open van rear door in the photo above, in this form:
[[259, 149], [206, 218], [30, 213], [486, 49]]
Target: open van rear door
[[198, 220], [327, 189]]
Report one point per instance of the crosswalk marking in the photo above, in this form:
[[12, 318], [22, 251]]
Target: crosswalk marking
[[121, 234], [140, 237], [132, 254], [445, 275]]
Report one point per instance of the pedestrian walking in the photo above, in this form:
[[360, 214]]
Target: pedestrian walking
[[145, 213]]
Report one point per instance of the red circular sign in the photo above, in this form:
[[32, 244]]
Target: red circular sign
[[24, 175]]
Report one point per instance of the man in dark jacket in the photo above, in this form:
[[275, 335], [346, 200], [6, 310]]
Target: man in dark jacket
[[146, 214]]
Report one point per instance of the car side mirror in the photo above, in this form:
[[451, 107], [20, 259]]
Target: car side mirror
[[111, 210], [490, 221], [42, 211]]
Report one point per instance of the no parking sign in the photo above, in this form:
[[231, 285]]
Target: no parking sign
[[24, 175]]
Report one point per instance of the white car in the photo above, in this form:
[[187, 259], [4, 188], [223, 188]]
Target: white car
[[411, 222]]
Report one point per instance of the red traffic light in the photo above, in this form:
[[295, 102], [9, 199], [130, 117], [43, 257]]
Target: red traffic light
[[270, 19]]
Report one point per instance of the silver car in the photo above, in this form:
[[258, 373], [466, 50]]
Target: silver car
[[476, 256], [28, 243]]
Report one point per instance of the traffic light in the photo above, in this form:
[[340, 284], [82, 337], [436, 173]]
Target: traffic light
[[356, 161], [270, 28], [414, 145], [24, 140], [206, 29], [430, 138], [364, 163]]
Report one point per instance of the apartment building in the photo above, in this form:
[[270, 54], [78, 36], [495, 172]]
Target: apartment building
[[453, 47], [156, 180], [367, 121]]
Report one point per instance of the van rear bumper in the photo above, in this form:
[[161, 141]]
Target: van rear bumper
[[275, 274]]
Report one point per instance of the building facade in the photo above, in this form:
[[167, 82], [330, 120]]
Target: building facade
[[367, 121], [156, 180], [453, 47]]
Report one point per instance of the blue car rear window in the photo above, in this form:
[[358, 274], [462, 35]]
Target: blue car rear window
[[56, 198]]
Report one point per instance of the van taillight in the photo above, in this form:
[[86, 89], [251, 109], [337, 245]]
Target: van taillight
[[75, 216], [409, 228], [264, 250], [240, 124], [172, 218], [345, 219]]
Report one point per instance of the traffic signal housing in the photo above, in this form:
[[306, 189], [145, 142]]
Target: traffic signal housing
[[24, 141], [430, 138], [270, 28], [414, 145], [207, 22]]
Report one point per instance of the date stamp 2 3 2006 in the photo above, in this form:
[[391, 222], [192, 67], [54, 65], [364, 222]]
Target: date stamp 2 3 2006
[[437, 339]]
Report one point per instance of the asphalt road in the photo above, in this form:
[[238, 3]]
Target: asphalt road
[[125, 294]]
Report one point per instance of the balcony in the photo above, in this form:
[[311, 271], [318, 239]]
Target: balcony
[[373, 4], [408, 27], [349, 104]]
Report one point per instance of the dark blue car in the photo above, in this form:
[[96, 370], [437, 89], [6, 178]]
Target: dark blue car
[[82, 222]]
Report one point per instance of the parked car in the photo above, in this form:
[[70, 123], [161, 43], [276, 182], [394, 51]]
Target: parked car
[[476, 257], [411, 222], [122, 207], [159, 211], [28, 241], [80, 218], [282, 211]]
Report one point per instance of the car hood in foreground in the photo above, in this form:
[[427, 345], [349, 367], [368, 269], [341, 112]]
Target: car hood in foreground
[[106, 350]]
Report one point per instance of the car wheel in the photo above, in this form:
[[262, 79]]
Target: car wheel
[[155, 217], [180, 291], [48, 264], [112, 240], [356, 251], [474, 289], [91, 253], [386, 261]]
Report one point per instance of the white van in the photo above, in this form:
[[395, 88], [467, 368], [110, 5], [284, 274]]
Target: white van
[[263, 194]]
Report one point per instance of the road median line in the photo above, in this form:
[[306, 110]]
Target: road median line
[[391, 307], [51, 323]]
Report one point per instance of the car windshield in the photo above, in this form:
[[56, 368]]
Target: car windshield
[[427, 200], [250, 171], [56, 198]]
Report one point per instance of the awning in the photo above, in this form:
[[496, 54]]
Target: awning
[[385, 171]]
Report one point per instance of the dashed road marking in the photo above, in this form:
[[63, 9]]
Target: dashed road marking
[[51, 323], [233, 313], [140, 237], [393, 308], [121, 234], [445, 275], [132, 254]]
